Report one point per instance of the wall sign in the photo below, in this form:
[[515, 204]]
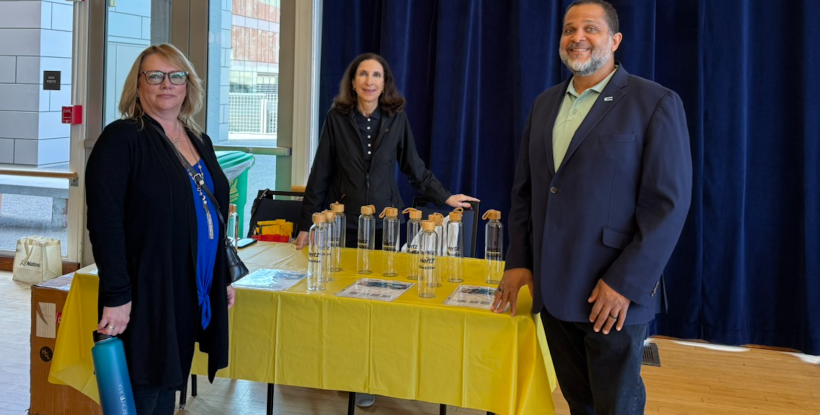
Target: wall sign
[[51, 80]]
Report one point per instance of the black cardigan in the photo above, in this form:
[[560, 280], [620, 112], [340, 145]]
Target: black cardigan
[[142, 225], [339, 172]]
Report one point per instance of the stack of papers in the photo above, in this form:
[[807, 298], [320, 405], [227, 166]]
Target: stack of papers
[[270, 280], [373, 289], [474, 296]]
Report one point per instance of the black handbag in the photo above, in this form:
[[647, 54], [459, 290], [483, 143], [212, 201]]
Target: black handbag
[[265, 207], [236, 268]]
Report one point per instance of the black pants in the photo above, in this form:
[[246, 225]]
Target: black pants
[[352, 238], [599, 374], [154, 401]]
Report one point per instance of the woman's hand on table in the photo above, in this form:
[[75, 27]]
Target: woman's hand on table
[[459, 200], [115, 320], [509, 287], [301, 240], [231, 296]]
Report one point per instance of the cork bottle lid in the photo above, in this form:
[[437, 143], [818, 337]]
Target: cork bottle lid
[[414, 213], [337, 207], [329, 215], [390, 212], [368, 210], [455, 216], [428, 225], [492, 214], [437, 218], [231, 208], [318, 218]]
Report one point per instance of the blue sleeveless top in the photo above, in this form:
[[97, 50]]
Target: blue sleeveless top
[[206, 247]]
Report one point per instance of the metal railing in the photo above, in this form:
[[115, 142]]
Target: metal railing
[[252, 113], [259, 150], [31, 172]]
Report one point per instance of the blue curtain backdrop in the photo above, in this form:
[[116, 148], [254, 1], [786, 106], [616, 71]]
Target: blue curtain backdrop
[[747, 268]]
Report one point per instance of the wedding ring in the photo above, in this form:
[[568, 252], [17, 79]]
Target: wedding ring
[[613, 317], [499, 290]]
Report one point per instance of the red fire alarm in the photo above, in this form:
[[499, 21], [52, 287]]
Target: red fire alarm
[[73, 114]]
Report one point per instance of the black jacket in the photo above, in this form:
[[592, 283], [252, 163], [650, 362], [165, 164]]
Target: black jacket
[[339, 172], [142, 225]]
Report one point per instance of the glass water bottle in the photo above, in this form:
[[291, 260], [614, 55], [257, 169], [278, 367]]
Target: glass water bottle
[[494, 246], [330, 250], [427, 263], [317, 241], [390, 240], [413, 235], [337, 239], [232, 225], [438, 220], [367, 236], [455, 247]]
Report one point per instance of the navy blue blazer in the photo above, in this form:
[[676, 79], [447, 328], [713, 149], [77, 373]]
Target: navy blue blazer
[[616, 206]]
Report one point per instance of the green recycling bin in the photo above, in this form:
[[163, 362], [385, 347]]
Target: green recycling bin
[[236, 164]]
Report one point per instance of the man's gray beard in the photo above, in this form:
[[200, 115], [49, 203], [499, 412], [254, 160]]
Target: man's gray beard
[[597, 61]]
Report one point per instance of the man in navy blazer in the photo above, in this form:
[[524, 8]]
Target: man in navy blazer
[[601, 193]]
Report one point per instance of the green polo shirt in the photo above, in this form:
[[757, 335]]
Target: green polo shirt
[[574, 109]]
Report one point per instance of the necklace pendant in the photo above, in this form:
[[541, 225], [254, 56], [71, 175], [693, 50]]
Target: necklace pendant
[[210, 223]]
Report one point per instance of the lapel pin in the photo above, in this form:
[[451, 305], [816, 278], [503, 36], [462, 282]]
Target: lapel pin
[[607, 99]]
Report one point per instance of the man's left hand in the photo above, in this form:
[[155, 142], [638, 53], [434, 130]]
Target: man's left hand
[[609, 308], [459, 200]]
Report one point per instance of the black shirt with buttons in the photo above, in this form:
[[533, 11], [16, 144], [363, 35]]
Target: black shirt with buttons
[[368, 132]]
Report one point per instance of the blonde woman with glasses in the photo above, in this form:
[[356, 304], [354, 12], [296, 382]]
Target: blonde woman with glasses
[[155, 230]]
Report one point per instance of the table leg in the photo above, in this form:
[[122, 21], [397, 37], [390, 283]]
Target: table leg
[[351, 403], [442, 409], [270, 399], [183, 396]]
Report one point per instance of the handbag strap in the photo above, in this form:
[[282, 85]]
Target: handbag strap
[[198, 178]]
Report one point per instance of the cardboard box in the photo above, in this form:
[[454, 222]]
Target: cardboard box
[[47, 301]]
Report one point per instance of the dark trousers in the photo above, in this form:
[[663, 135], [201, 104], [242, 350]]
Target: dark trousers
[[352, 238], [150, 400], [599, 374]]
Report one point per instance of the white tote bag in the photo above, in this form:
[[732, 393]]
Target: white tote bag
[[37, 259]]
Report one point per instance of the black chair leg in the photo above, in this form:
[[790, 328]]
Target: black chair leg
[[193, 385], [270, 399], [351, 403], [442, 409], [183, 396]]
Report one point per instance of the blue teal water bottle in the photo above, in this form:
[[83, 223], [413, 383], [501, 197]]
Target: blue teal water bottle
[[116, 396]]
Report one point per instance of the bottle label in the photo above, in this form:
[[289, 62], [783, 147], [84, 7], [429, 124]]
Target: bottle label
[[427, 263]]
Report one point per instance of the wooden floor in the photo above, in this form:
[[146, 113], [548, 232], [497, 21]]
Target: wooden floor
[[693, 379]]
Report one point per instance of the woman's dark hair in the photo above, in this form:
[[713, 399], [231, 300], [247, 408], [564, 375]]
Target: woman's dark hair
[[391, 101]]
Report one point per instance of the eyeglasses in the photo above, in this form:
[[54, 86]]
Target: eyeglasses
[[156, 77]]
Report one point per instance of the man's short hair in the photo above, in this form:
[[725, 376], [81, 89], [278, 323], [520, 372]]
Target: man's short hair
[[610, 15]]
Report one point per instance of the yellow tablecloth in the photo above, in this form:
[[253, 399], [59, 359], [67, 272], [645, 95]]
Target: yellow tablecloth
[[411, 348]]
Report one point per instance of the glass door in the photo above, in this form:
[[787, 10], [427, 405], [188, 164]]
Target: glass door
[[36, 70]]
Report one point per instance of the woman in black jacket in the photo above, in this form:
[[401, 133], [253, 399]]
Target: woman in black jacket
[[365, 134], [155, 232]]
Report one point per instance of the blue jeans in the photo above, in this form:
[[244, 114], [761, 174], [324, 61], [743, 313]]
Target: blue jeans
[[599, 374], [154, 401]]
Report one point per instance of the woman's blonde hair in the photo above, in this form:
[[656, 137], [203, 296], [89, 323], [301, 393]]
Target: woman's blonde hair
[[130, 106]]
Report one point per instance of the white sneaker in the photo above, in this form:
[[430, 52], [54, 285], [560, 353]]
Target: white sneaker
[[365, 400]]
